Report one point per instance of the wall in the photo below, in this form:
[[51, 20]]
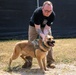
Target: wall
[[14, 18], [15, 15]]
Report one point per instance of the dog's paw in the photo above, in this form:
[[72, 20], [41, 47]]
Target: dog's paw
[[46, 69], [9, 69]]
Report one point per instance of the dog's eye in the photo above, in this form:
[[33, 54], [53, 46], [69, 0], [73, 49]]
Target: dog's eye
[[49, 39]]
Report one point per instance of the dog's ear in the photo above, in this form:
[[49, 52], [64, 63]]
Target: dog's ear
[[52, 37], [49, 36], [40, 41]]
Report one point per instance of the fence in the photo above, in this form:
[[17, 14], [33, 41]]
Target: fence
[[15, 16]]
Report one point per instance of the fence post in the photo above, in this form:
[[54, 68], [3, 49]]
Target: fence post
[[37, 3]]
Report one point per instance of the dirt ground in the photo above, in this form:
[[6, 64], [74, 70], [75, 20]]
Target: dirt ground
[[61, 69], [65, 62]]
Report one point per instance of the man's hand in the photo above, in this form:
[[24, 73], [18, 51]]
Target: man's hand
[[47, 30], [43, 37], [39, 31]]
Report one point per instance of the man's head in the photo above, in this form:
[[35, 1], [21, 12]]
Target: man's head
[[47, 8]]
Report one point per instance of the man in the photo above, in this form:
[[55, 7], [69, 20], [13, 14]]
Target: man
[[40, 24]]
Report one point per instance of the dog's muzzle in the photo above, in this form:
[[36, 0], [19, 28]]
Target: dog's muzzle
[[51, 43]]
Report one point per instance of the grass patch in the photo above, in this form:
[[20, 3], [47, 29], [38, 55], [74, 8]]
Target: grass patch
[[64, 52]]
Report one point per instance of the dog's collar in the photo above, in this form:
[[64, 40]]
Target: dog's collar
[[44, 45], [44, 48]]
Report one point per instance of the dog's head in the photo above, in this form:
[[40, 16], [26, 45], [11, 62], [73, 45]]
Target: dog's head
[[49, 41]]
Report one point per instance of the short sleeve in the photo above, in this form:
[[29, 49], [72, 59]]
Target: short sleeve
[[51, 19], [36, 19]]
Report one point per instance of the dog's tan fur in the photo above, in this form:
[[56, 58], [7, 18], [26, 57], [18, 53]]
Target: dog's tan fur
[[26, 48]]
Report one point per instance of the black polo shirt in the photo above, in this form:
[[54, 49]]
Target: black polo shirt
[[39, 19]]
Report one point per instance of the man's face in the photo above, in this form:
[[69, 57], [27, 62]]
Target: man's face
[[47, 10]]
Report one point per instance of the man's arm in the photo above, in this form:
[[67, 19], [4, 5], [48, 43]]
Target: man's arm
[[39, 31], [47, 30]]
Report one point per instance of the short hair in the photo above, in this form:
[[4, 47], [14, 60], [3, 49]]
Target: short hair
[[47, 2]]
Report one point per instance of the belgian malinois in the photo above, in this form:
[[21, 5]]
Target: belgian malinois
[[27, 48]]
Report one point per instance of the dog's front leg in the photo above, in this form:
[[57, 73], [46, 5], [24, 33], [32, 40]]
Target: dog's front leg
[[44, 63], [41, 64]]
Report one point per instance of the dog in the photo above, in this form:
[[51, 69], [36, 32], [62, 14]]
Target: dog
[[27, 48]]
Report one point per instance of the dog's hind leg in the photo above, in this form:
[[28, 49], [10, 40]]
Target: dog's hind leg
[[15, 55], [23, 57]]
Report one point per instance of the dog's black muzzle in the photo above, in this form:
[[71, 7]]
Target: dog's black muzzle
[[51, 43]]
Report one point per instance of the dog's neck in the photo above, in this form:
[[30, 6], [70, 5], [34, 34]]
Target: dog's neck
[[43, 47]]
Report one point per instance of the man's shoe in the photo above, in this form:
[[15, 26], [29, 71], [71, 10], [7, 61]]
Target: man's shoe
[[51, 65], [27, 65]]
